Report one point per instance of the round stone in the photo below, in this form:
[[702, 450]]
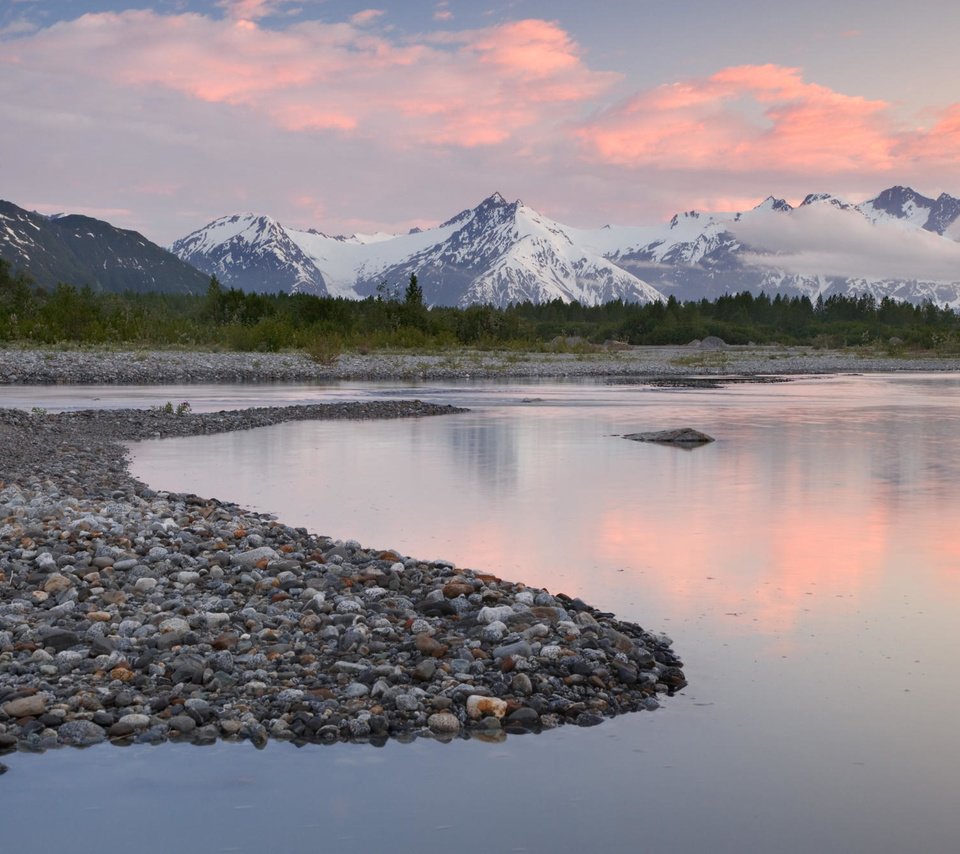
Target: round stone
[[443, 723], [480, 707], [81, 733]]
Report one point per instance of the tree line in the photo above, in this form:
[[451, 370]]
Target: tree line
[[232, 319]]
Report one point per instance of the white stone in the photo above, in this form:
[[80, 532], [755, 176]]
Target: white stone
[[494, 632], [485, 707], [175, 624], [490, 614], [254, 556], [216, 619]]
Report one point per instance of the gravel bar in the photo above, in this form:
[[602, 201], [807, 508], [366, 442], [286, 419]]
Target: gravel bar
[[135, 616], [169, 367]]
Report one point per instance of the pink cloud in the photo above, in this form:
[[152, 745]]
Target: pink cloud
[[767, 117], [467, 89], [531, 48], [251, 106], [940, 144]]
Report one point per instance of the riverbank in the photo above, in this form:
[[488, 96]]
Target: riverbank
[[136, 616], [175, 367]]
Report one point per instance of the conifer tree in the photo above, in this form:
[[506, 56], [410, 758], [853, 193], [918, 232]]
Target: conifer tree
[[414, 293]]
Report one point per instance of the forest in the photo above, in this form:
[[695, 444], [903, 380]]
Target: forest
[[230, 319]]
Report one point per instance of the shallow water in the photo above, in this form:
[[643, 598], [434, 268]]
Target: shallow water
[[806, 565]]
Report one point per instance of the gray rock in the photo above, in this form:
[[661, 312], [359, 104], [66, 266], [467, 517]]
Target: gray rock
[[523, 717], [81, 733], [252, 557], [443, 723], [521, 648]]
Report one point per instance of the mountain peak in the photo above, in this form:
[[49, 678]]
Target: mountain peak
[[772, 203], [894, 200], [827, 199], [684, 215]]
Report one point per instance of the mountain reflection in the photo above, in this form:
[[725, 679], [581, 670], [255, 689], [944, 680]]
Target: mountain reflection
[[812, 498], [487, 451]]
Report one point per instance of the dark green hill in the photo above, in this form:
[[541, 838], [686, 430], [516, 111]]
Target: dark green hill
[[80, 250]]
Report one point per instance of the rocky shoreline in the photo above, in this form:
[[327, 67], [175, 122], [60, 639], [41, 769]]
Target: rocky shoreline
[[87, 367], [131, 615]]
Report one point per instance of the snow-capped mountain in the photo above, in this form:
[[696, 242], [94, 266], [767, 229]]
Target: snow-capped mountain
[[900, 244], [252, 253], [498, 253], [906, 205], [505, 252]]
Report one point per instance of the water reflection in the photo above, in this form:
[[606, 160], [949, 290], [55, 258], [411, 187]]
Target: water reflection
[[808, 492], [489, 454]]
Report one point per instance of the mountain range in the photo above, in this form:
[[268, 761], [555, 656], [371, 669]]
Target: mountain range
[[900, 244], [81, 250]]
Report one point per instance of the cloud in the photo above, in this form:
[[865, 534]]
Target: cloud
[[442, 13], [469, 88], [755, 117], [822, 238], [367, 16], [18, 27], [385, 130], [250, 10]]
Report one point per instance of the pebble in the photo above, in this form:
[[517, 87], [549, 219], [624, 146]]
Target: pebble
[[133, 615], [443, 723], [25, 707]]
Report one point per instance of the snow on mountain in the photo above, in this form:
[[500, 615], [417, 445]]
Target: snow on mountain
[[884, 247], [497, 252], [252, 253], [505, 252], [902, 204], [355, 265], [899, 243]]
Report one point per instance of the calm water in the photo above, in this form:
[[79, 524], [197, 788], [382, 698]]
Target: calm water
[[806, 564]]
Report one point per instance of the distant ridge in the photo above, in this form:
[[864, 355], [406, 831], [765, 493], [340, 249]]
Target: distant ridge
[[80, 250]]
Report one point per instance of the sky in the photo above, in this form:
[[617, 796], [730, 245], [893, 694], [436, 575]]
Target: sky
[[161, 115]]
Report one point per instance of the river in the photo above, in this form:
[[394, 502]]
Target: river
[[805, 564]]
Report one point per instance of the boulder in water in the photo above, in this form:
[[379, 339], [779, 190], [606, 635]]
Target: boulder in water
[[676, 436]]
